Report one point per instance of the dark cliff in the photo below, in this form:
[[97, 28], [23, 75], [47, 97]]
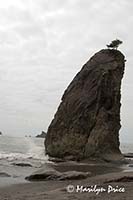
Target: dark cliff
[[87, 122]]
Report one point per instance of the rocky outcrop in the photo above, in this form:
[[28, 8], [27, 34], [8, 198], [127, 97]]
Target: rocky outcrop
[[121, 179], [128, 155], [52, 174], [87, 121], [22, 164], [42, 135], [3, 174]]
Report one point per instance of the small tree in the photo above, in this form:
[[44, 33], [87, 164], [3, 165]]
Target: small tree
[[114, 44]]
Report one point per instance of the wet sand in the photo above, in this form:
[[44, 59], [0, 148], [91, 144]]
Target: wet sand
[[58, 190]]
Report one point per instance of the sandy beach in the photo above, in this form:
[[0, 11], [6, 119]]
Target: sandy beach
[[57, 190], [13, 185], [105, 184]]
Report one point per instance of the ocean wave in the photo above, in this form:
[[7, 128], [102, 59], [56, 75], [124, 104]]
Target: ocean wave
[[21, 156], [22, 148]]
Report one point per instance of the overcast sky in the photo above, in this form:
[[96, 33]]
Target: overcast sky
[[43, 44]]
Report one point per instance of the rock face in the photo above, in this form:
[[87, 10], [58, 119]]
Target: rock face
[[87, 121]]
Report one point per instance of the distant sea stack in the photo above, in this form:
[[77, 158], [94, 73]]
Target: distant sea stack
[[87, 122], [42, 135]]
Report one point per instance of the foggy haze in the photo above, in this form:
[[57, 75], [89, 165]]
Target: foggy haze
[[43, 44]]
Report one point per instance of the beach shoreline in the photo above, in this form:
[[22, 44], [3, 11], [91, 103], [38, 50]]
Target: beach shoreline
[[58, 190], [104, 177], [28, 156]]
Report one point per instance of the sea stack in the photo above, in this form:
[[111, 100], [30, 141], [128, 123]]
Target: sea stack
[[87, 122], [42, 135]]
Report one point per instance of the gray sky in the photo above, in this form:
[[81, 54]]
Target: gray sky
[[43, 44]]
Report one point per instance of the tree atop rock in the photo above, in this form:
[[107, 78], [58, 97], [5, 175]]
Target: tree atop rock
[[114, 44]]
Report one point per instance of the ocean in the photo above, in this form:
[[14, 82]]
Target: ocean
[[28, 151], [18, 151]]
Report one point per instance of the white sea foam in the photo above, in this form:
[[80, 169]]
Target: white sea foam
[[22, 149], [20, 156]]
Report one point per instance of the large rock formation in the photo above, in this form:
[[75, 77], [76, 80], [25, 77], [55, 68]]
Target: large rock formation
[[87, 121]]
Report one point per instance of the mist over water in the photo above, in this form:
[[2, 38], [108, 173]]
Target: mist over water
[[20, 150], [15, 148]]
